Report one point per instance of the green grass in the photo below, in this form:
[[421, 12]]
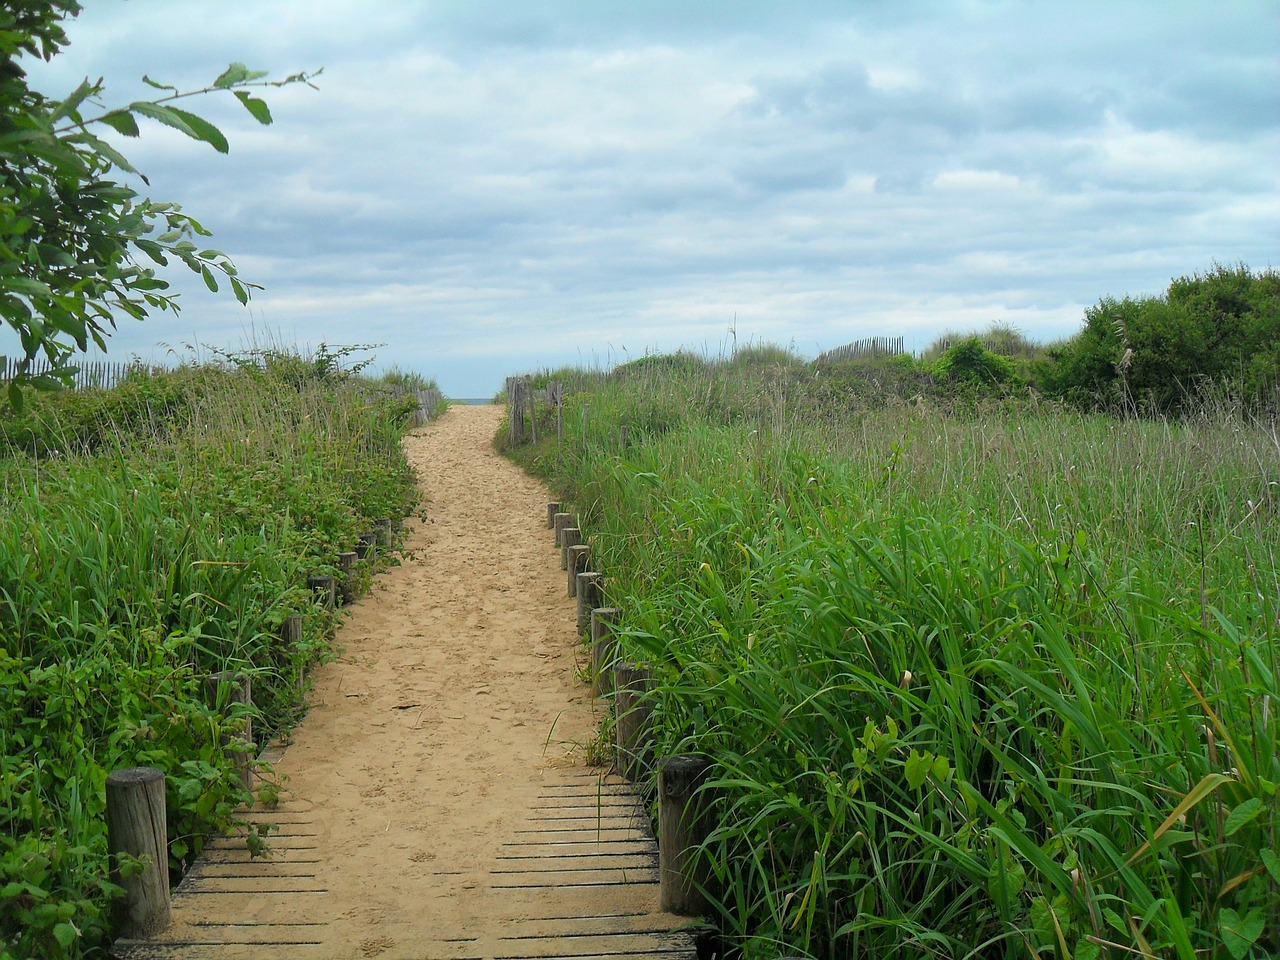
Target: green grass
[[152, 535], [980, 679]]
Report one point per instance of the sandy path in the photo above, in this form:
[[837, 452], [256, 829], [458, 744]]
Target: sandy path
[[454, 692], [435, 805]]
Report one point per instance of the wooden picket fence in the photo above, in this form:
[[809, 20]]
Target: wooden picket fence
[[102, 374], [866, 348], [522, 408]]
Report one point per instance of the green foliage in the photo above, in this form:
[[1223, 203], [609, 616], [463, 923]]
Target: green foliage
[[1211, 336], [76, 242], [968, 364], [996, 684], [764, 355], [170, 541], [681, 361]]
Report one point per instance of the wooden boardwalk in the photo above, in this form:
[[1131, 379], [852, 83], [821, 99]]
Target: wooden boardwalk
[[588, 829]]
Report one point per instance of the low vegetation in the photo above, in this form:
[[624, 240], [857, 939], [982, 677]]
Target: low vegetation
[[983, 675], [153, 534]]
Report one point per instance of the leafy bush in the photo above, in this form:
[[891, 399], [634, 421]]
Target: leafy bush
[[1209, 336], [970, 365]]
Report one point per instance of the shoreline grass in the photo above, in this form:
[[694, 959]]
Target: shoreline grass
[[154, 534], [993, 679]]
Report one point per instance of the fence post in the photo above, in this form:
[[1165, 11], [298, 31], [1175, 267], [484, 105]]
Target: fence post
[[136, 828], [552, 509], [225, 688], [683, 825], [323, 587], [632, 710], [382, 528], [559, 522], [291, 639], [578, 557], [569, 537], [603, 621], [347, 585], [590, 596]]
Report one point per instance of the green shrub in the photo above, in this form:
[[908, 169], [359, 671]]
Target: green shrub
[[970, 365], [1215, 335]]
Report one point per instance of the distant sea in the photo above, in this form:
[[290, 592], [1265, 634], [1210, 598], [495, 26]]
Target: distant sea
[[472, 401]]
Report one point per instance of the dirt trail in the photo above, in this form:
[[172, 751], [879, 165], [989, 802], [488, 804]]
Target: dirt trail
[[452, 710]]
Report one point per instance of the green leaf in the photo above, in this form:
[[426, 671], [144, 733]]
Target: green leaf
[[65, 933], [196, 127], [239, 290], [166, 115], [159, 86], [1239, 933], [1272, 863], [261, 112], [209, 280], [205, 130], [1085, 950], [122, 121], [236, 73], [72, 103], [1242, 814], [105, 150], [26, 286], [918, 767]]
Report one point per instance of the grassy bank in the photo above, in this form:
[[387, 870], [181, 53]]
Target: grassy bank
[[981, 679], [154, 534]]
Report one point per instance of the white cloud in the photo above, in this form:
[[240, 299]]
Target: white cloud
[[537, 185]]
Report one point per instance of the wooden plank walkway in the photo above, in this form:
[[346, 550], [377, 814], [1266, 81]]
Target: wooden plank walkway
[[587, 829]]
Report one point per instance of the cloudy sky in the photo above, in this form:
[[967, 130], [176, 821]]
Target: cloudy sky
[[493, 187]]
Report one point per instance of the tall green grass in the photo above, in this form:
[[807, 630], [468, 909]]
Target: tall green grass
[[984, 680], [152, 535]]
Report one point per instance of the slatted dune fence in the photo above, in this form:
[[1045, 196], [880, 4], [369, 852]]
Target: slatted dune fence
[[866, 348], [103, 373]]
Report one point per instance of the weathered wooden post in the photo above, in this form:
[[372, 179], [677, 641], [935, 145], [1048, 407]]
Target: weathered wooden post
[[632, 710], [364, 544], [382, 527], [323, 587], [559, 522], [590, 596], [569, 537], [347, 582], [579, 554], [225, 688], [291, 639], [136, 828], [683, 824], [552, 509], [603, 621]]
